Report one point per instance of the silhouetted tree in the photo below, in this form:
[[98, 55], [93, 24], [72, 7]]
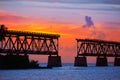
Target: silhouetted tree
[[3, 29]]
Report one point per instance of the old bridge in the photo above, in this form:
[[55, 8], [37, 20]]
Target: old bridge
[[17, 43], [15, 47], [98, 48]]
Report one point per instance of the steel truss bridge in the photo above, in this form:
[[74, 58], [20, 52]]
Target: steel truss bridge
[[93, 47], [21, 42]]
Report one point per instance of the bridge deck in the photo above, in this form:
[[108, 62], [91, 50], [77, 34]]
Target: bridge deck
[[4, 51], [25, 33], [97, 41], [104, 55]]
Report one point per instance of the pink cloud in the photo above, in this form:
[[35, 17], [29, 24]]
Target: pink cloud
[[7, 17]]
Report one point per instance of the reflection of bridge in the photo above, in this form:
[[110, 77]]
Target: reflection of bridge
[[24, 43], [100, 48]]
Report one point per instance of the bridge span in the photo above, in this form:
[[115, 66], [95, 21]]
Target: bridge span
[[98, 48], [24, 43]]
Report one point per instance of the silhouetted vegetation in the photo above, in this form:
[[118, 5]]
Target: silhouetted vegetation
[[34, 63], [2, 31]]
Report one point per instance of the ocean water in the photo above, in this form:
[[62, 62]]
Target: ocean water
[[66, 72]]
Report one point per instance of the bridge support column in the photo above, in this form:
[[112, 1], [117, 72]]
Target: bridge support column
[[54, 61], [101, 61], [80, 61], [117, 61], [13, 61]]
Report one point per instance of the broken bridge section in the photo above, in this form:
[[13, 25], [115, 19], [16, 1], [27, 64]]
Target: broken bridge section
[[24, 43], [98, 48]]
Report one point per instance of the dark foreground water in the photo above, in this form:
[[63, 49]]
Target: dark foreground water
[[67, 72]]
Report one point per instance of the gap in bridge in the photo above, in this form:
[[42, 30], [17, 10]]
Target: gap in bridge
[[92, 61], [42, 59]]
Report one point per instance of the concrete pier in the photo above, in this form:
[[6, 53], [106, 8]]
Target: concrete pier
[[80, 61], [101, 61], [54, 61], [117, 61], [14, 61]]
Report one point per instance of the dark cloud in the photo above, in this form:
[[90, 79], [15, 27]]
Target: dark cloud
[[89, 22], [99, 7], [75, 1], [93, 32]]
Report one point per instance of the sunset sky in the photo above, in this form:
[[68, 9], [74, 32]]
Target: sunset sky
[[64, 17]]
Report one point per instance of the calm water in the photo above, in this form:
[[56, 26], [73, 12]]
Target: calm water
[[67, 72]]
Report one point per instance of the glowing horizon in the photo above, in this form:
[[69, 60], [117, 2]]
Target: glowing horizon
[[64, 18]]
